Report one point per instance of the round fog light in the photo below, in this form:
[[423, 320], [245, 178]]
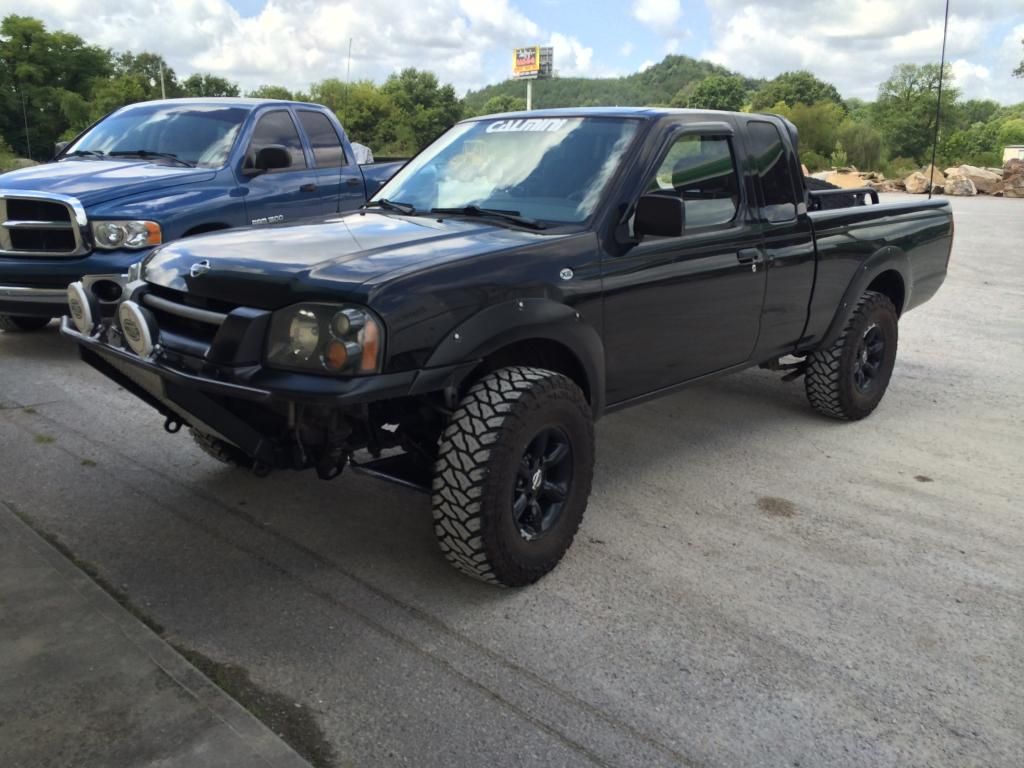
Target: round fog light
[[138, 328], [80, 303]]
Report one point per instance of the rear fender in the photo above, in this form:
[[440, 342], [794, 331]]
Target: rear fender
[[501, 325], [889, 258]]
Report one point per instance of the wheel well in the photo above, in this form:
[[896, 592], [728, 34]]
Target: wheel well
[[203, 228], [540, 353], [890, 284]]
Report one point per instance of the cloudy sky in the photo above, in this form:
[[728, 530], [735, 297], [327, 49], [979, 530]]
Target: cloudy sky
[[852, 43]]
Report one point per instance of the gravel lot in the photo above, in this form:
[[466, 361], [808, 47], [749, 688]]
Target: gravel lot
[[752, 585]]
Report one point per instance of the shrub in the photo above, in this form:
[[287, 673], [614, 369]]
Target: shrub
[[839, 157], [814, 161], [900, 167]]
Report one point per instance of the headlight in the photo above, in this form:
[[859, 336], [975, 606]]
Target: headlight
[[126, 234], [326, 338]]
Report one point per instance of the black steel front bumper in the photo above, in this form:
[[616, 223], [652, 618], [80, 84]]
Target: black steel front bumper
[[196, 398]]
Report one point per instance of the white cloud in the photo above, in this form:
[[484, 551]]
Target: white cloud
[[645, 65], [660, 14], [626, 49], [296, 42], [855, 44]]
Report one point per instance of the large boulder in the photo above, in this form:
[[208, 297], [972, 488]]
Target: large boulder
[[960, 185], [1013, 186], [1012, 168], [984, 181], [845, 179], [916, 183]]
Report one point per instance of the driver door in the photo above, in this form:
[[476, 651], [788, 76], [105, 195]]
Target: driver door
[[677, 308], [281, 194]]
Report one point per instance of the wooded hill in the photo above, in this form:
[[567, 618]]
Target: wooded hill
[[671, 80]]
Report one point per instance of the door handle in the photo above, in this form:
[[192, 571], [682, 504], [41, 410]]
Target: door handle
[[307, 188], [750, 256], [352, 181]]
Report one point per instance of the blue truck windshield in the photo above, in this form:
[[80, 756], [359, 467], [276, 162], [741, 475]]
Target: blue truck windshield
[[548, 169], [195, 134]]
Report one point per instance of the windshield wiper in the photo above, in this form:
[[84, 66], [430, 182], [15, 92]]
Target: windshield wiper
[[85, 153], [146, 153], [475, 210], [391, 205]]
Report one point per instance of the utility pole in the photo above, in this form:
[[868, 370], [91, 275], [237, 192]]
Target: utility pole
[[348, 76], [24, 115], [529, 95], [163, 91]]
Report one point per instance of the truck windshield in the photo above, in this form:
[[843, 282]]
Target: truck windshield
[[548, 169], [195, 134]]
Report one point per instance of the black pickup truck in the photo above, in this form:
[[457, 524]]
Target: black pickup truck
[[524, 275]]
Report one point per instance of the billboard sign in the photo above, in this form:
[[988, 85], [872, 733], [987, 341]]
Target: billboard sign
[[532, 62]]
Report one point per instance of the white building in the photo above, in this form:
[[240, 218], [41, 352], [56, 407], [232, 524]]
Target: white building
[[1013, 152]]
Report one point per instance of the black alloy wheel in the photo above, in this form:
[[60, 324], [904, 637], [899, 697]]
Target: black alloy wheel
[[543, 483]]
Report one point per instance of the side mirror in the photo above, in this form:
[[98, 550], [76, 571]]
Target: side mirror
[[269, 158], [660, 215], [59, 147]]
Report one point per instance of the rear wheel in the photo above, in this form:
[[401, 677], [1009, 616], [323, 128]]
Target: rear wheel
[[16, 323], [848, 380], [513, 475]]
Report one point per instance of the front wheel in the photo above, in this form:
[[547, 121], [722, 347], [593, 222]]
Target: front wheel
[[513, 475], [848, 379], [15, 323]]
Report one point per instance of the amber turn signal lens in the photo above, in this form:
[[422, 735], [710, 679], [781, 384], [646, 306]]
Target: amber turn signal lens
[[370, 339], [335, 356]]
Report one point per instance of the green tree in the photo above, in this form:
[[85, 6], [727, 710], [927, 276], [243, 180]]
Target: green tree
[[715, 92], [150, 72], [905, 110], [272, 92], [1019, 71], [818, 124], [1011, 132], [205, 84], [862, 142], [498, 104], [372, 118], [792, 88], [331, 92], [40, 72], [429, 108]]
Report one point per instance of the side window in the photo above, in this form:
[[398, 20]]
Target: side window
[[773, 170], [323, 138], [276, 128], [702, 172]]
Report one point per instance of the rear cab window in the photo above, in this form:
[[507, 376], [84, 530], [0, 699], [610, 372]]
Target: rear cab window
[[773, 170], [323, 138]]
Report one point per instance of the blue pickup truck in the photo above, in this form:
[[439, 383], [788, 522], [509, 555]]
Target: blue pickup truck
[[158, 171]]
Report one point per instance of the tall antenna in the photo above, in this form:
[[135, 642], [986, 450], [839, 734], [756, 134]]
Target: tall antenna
[[938, 104]]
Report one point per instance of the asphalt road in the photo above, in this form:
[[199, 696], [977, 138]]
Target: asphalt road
[[753, 584]]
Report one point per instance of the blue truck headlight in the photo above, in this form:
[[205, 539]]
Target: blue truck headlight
[[325, 338], [126, 234]]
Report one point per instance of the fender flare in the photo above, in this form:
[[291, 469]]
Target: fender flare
[[498, 326], [887, 259]]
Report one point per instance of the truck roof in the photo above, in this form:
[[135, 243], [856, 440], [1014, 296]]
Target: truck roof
[[233, 101], [644, 112]]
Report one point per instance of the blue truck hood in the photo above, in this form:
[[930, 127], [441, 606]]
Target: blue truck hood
[[272, 267], [97, 181]]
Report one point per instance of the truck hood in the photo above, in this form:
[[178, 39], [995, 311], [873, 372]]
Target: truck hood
[[275, 266], [94, 181]]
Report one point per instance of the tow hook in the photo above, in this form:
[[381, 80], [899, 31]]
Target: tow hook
[[172, 425]]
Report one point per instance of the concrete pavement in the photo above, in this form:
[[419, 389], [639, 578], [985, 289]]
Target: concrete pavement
[[85, 683]]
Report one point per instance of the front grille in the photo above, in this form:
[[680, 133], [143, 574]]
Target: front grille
[[38, 226], [187, 323]]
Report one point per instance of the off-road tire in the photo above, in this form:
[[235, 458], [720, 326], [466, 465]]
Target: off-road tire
[[223, 452], [830, 379], [478, 465], [22, 324]]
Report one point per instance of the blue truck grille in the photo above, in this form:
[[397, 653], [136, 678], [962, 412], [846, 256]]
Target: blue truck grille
[[36, 226]]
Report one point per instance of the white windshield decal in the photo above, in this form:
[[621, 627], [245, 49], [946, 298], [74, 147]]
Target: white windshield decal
[[522, 126]]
